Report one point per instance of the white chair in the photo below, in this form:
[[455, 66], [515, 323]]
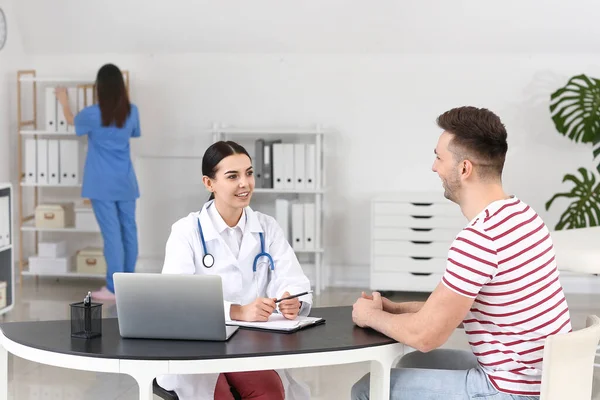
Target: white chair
[[568, 368], [577, 250]]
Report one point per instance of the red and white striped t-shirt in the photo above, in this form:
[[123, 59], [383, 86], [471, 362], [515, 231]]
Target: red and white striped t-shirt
[[505, 260]]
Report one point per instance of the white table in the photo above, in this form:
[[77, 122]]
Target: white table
[[337, 341]]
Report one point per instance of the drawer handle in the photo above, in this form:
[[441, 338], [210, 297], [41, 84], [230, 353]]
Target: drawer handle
[[90, 261], [421, 273], [421, 229], [420, 242], [422, 204], [421, 258], [49, 215], [422, 216]]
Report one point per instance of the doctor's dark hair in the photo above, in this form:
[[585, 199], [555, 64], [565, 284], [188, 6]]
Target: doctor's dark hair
[[215, 153], [112, 96], [478, 136]]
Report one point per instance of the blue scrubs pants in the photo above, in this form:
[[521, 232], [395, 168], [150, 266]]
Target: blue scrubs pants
[[119, 232]]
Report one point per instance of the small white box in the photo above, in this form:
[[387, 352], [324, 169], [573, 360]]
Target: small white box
[[85, 218], [41, 266], [52, 249]]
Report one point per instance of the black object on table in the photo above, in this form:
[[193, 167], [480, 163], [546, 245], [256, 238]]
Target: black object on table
[[86, 319]]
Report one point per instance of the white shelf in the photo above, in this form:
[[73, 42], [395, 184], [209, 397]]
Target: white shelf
[[51, 79], [5, 248], [49, 133], [267, 131], [309, 250], [291, 191], [77, 185], [65, 275], [30, 227]]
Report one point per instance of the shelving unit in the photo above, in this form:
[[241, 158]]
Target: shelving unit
[[7, 256], [28, 128], [290, 135]]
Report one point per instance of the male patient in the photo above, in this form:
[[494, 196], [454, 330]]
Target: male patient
[[501, 282]]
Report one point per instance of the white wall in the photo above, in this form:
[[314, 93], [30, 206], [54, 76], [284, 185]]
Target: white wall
[[382, 106]]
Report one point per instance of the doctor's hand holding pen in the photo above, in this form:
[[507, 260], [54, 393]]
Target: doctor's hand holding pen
[[258, 311], [289, 308]]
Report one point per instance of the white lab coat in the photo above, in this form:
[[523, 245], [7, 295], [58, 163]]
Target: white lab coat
[[184, 254]]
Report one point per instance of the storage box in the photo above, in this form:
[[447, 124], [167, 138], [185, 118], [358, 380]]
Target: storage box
[[54, 215], [91, 261], [49, 266], [52, 249], [85, 218], [2, 294]]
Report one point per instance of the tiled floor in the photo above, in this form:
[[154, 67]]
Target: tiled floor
[[49, 299]]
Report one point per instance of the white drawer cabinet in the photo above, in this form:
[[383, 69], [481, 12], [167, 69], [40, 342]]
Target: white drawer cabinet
[[411, 234]]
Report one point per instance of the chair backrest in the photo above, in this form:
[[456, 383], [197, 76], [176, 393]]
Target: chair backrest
[[568, 366]]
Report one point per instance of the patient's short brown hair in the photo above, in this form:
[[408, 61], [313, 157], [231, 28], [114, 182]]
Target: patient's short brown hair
[[479, 136]]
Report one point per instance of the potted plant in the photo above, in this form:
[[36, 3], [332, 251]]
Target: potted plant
[[575, 110]]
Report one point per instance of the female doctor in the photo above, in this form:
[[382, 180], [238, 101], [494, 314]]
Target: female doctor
[[224, 239]]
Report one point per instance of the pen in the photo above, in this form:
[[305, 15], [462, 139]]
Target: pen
[[293, 296], [87, 313]]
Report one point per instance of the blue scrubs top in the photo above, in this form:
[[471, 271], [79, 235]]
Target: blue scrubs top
[[108, 173]]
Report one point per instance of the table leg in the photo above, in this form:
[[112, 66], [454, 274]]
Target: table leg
[[3, 373], [380, 377], [144, 373], [145, 386]]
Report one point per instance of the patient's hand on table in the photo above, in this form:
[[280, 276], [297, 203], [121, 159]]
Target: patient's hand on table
[[388, 305], [258, 311], [364, 308], [289, 308]]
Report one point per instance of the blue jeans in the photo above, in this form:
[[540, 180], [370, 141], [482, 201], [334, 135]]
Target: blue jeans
[[421, 383], [119, 232]]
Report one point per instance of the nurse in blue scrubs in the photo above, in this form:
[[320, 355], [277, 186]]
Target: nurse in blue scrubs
[[109, 180]]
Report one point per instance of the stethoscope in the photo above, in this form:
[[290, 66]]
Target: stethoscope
[[208, 260]]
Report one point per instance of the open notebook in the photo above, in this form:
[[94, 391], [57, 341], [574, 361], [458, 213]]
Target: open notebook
[[278, 322]]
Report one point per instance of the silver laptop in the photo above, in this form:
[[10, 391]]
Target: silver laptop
[[164, 306]]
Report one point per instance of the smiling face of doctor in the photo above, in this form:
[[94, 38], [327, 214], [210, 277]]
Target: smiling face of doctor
[[228, 174]]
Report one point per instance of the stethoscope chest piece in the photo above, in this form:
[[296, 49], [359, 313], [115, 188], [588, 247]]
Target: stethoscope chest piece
[[208, 260]]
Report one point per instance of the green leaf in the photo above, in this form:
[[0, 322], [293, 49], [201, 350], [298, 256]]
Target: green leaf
[[575, 109], [584, 210]]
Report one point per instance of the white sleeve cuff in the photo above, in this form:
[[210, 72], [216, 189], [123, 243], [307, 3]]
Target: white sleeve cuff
[[227, 307]]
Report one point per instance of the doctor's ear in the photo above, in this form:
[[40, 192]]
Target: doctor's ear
[[207, 183]]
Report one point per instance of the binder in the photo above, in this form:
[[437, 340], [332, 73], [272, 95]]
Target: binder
[[267, 170], [53, 162], [4, 221], [309, 226], [299, 166], [259, 149], [50, 110], [279, 166], [89, 96], [69, 162], [61, 122], [297, 226], [73, 100], [288, 166], [80, 98], [311, 166], [30, 161], [282, 216], [42, 161]]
